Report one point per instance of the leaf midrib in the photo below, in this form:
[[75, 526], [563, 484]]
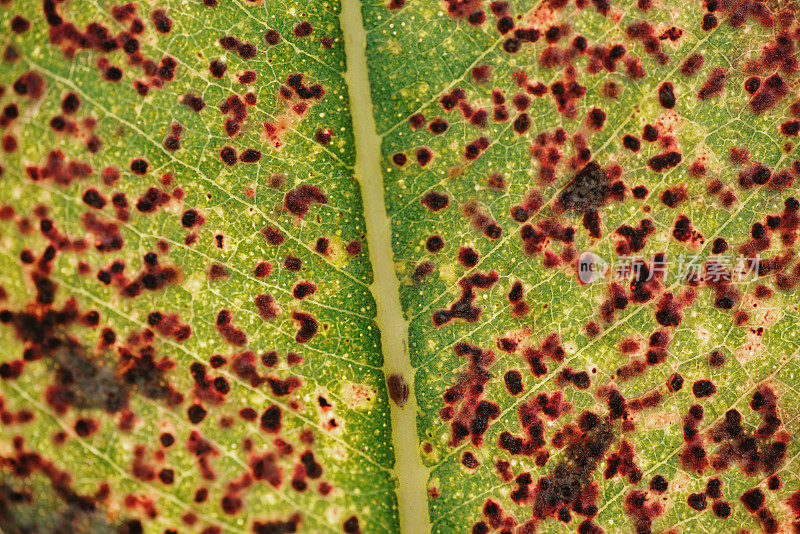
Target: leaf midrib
[[412, 476]]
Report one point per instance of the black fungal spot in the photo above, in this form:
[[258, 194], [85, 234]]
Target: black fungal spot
[[675, 383], [434, 244], [588, 190], [398, 389], [664, 161], [666, 95], [228, 155], [631, 142], [435, 201], [513, 381], [721, 509], [659, 484], [271, 419], [161, 21], [753, 499], [299, 199], [697, 501], [303, 29], [139, 166], [703, 388]]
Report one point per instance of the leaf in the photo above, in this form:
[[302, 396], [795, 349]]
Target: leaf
[[592, 224], [189, 334], [518, 137]]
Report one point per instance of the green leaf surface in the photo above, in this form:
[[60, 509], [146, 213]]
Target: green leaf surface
[[328, 466], [434, 67]]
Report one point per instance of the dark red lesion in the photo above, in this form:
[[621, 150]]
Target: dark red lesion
[[153, 277], [464, 308], [550, 348], [56, 502], [643, 31], [217, 271], [262, 269], [773, 89], [422, 271], [233, 335], [236, 111], [323, 246], [423, 156], [203, 451], [651, 399], [267, 306], [193, 101], [646, 285], [103, 380], [519, 307], [107, 237], [435, 201], [169, 324], [96, 36], [298, 200], [210, 390], [481, 221], [635, 238], [468, 257], [623, 462], [273, 235], [269, 526], [539, 238], [643, 509], [469, 414], [59, 170], [665, 161], [303, 289], [684, 232], [475, 148], [569, 488], [30, 85], [714, 85], [307, 326], [568, 376], [152, 199]]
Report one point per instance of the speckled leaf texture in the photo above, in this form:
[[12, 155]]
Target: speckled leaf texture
[[518, 137], [188, 315], [188, 335]]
